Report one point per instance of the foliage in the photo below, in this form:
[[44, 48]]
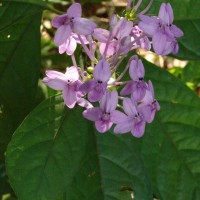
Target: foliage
[[55, 153]]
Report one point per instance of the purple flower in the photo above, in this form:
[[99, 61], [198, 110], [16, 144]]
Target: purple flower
[[137, 87], [71, 43], [162, 30], [150, 101], [120, 30], [104, 116], [69, 83], [71, 22], [143, 42], [97, 87], [135, 120]]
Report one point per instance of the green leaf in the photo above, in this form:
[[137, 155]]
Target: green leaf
[[183, 9], [42, 4], [56, 150], [19, 65], [191, 72], [189, 47], [171, 145]]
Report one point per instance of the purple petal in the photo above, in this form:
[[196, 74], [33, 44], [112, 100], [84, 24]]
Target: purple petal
[[170, 13], [69, 46], [96, 94], [128, 88], [136, 70], [146, 112], [72, 74], [59, 20], [163, 13], [138, 129], [148, 24], [87, 86], [55, 80], [84, 103], [150, 87], [102, 71], [122, 29], [62, 34], [109, 101], [139, 94], [103, 126], [118, 117], [124, 127], [56, 84], [159, 43], [93, 114], [129, 107], [113, 47], [101, 34], [82, 26], [74, 10], [148, 98], [70, 97], [75, 36], [177, 32]]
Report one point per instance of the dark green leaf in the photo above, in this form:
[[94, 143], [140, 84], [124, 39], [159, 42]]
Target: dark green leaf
[[189, 47], [19, 65], [171, 146], [56, 150], [183, 9]]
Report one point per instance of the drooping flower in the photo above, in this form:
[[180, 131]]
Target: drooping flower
[[105, 115], [162, 30], [150, 101], [71, 22], [69, 83], [137, 87], [135, 120], [97, 86], [71, 43]]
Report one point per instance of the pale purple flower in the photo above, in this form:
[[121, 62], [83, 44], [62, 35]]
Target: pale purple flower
[[97, 86], [162, 30], [105, 115], [71, 22], [137, 87], [69, 83], [150, 101], [120, 30], [143, 42], [71, 43], [135, 120]]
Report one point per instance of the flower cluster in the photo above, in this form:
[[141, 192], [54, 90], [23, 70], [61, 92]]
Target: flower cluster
[[134, 105]]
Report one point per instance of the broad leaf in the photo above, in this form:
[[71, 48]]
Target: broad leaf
[[171, 145], [189, 47], [56, 150], [19, 65], [183, 9]]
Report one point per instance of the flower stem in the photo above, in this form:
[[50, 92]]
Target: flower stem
[[87, 51]]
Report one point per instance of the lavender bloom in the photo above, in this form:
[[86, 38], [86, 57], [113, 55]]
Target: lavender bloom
[[137, 87], [104, 115], [68, 83], [71, 43], [135, 120], [162, 31], [71, 22], [150, 101], [97, 87], [143, 42], [120, 30]]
